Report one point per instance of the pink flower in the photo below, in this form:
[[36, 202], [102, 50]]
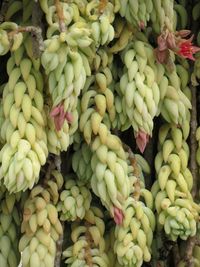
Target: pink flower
[[142, 139], [186, 49], [59, 116], [175, 42], [118, 216]]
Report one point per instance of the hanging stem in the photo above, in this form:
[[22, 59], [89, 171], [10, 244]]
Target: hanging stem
[[191, 242], [38, 44], [193, 142], [88, 256], [60, 14], [3, 9], [136, 172], [58, 163], [59, 245], [176, 255], [31, 29], [102, 5], [36, 34]]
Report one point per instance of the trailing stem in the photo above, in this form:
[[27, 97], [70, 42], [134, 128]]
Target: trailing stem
[[192, 241]]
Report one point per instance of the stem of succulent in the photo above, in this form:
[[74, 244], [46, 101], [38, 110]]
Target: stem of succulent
[[102, 5], [3, 9], [38, 44], [88, 256], [58, 163], [31, 29], [176, 255], [50, 167], [189, 251], [191, 242], [136, 172], [193, 142], [149, 156], [59, 245], [60, 14], [36, 33]]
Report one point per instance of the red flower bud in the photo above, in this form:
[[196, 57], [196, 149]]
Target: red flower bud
[[142, 139]]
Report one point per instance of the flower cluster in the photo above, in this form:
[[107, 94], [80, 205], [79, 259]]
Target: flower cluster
[[177, 43]]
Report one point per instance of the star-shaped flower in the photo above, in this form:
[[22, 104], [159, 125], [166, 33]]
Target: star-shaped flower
[[186, 49], [177, 43]]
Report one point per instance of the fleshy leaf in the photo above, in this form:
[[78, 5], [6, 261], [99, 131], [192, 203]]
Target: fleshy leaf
[[162, 56], [55, 111], [118, 216], [162, 44], [142, 139], [141, 25], [58, 115], [171, 41], [69, 117]]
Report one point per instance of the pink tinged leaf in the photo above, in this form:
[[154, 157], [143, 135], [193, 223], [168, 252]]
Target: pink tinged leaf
[[69, 117], [55, 111], [141, 25], [62, 112], [162, 56], [171, 43], [57, 124], [162, 44], [183, 33], [118, 216], [59, 120], [59, 116], [142, 139]]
